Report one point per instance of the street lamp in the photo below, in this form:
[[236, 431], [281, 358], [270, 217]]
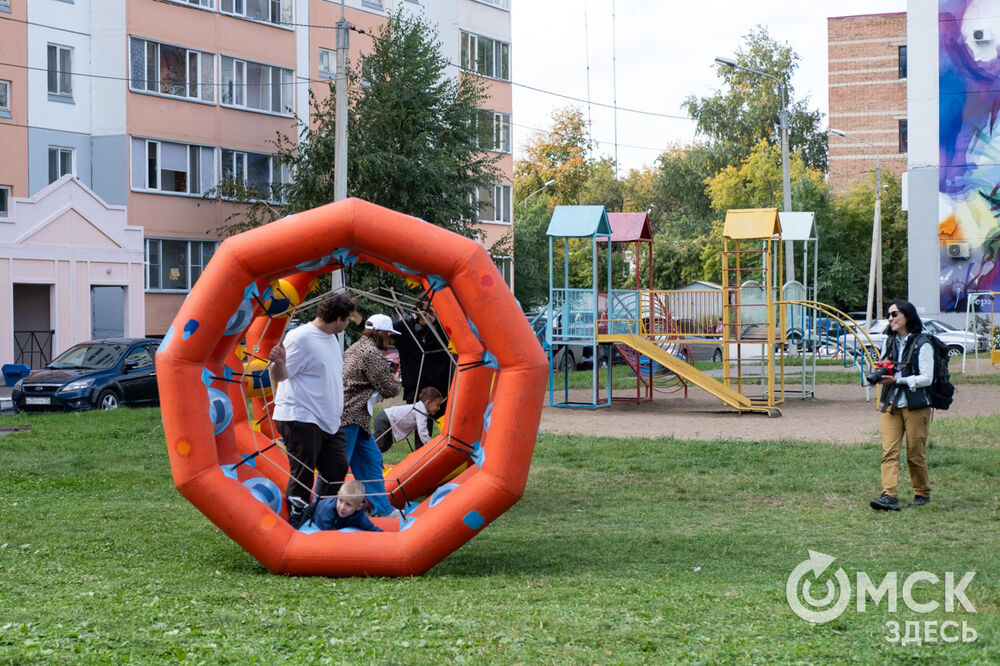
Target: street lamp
[[786, 186], [875, 269], [548, 183]]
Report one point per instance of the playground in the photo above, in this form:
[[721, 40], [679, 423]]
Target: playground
[[838, 414]]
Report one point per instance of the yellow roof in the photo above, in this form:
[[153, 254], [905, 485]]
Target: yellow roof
[[749, 223]]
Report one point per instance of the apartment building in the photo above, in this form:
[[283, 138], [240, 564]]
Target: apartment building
[[867, 90], [129, 112]]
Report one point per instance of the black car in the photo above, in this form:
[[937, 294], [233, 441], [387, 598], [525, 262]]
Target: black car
[[100, 374]]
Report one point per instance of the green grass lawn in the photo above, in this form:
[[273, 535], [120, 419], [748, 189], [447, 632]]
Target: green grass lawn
[[621, 551]]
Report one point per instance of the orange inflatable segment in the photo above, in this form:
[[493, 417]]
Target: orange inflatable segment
[[209, 437]]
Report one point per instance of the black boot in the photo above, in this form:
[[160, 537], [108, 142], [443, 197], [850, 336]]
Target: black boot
[[885, 503]]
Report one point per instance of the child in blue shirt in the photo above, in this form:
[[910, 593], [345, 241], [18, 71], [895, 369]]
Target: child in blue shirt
[[347, 509]]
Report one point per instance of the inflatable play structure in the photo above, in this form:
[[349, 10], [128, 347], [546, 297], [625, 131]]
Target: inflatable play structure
[[228, 462]]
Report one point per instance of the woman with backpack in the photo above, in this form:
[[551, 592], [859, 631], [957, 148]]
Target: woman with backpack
[[906, 405]]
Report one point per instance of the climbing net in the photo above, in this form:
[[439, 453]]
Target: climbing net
[[279, 305]]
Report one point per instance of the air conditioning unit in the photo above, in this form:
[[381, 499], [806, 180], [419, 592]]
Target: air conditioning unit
[[958, 251], [982, 35]]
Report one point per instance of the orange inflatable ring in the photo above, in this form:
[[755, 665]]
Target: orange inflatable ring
[[500, 360]]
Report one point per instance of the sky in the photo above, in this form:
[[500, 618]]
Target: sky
[[664, 51]]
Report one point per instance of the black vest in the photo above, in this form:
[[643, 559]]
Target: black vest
[[909, 365]]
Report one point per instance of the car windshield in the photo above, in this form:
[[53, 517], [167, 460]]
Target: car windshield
[[88, 357], [936, 325]]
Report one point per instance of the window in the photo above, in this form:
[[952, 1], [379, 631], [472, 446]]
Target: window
[[60, 162], [4, 95], [495, 204], [4, 200], [505, 266], [171, 70], [257, 170], [60, 70], [375, 4], [902, 62], [252, 85], [500, 123], [327, 63], [208, 4], [165, 166], [502, 4], [4, 4], [270, 11], [175, 265], [485, 56], [903, 139]]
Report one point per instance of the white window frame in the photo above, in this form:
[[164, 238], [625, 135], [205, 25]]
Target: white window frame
[[285, 13], [331, 63], [5, 86], [500, 124], [60, 151], [193, 165], [505, 265], [63, 78], [192, 268], [234, 74], [499, 4], [496, 213], [240, 159], [469, 43], [200, 4], [4, 200], [148, 81]]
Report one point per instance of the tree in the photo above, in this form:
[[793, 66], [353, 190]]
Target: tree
[[845, 247], [531, 251], [414, 138], [560, 155], [737, 119]]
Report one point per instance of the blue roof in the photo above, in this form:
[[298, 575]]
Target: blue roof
[[578, 221]]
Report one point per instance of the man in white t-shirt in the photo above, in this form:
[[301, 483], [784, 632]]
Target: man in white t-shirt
[[308, 369]]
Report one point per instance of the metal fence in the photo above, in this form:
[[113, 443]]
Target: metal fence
[[33, 348]]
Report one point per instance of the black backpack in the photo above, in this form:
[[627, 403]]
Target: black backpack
[[941, 391]]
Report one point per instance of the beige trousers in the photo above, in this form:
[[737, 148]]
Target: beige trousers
[[915, 425]]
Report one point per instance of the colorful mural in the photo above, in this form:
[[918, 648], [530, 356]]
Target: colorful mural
[[969, 177]]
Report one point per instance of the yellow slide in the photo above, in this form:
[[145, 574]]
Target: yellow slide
[[683, 370]]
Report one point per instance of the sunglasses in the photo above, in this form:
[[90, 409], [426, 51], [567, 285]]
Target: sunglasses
[[893, 314]]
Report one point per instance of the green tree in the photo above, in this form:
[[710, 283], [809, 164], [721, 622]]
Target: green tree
[[414, 139], [560, 155], [530, 250], [845, 245], [681, 206], [747, 111]]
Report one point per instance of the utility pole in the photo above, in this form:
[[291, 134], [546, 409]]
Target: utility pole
[[340, 109], [343, 33]]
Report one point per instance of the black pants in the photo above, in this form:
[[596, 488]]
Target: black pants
[[311, 448]]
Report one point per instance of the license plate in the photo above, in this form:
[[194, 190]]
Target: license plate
[[37, 401]]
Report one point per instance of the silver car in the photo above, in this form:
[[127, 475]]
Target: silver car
[[958, 341]]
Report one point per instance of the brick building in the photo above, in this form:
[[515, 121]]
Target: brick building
[[867, 89]]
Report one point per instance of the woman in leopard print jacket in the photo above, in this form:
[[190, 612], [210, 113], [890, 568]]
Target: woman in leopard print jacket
[[366, 371]]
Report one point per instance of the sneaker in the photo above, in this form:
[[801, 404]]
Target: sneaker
[[885, 503], [296, 511], [395, 513], [919, 500]]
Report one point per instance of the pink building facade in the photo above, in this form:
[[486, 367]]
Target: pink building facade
[[148, 104]]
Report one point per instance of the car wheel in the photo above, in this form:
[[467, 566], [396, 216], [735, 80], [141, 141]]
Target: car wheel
[[568, 362], [954, 350], [717, 356], [108, 399]]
